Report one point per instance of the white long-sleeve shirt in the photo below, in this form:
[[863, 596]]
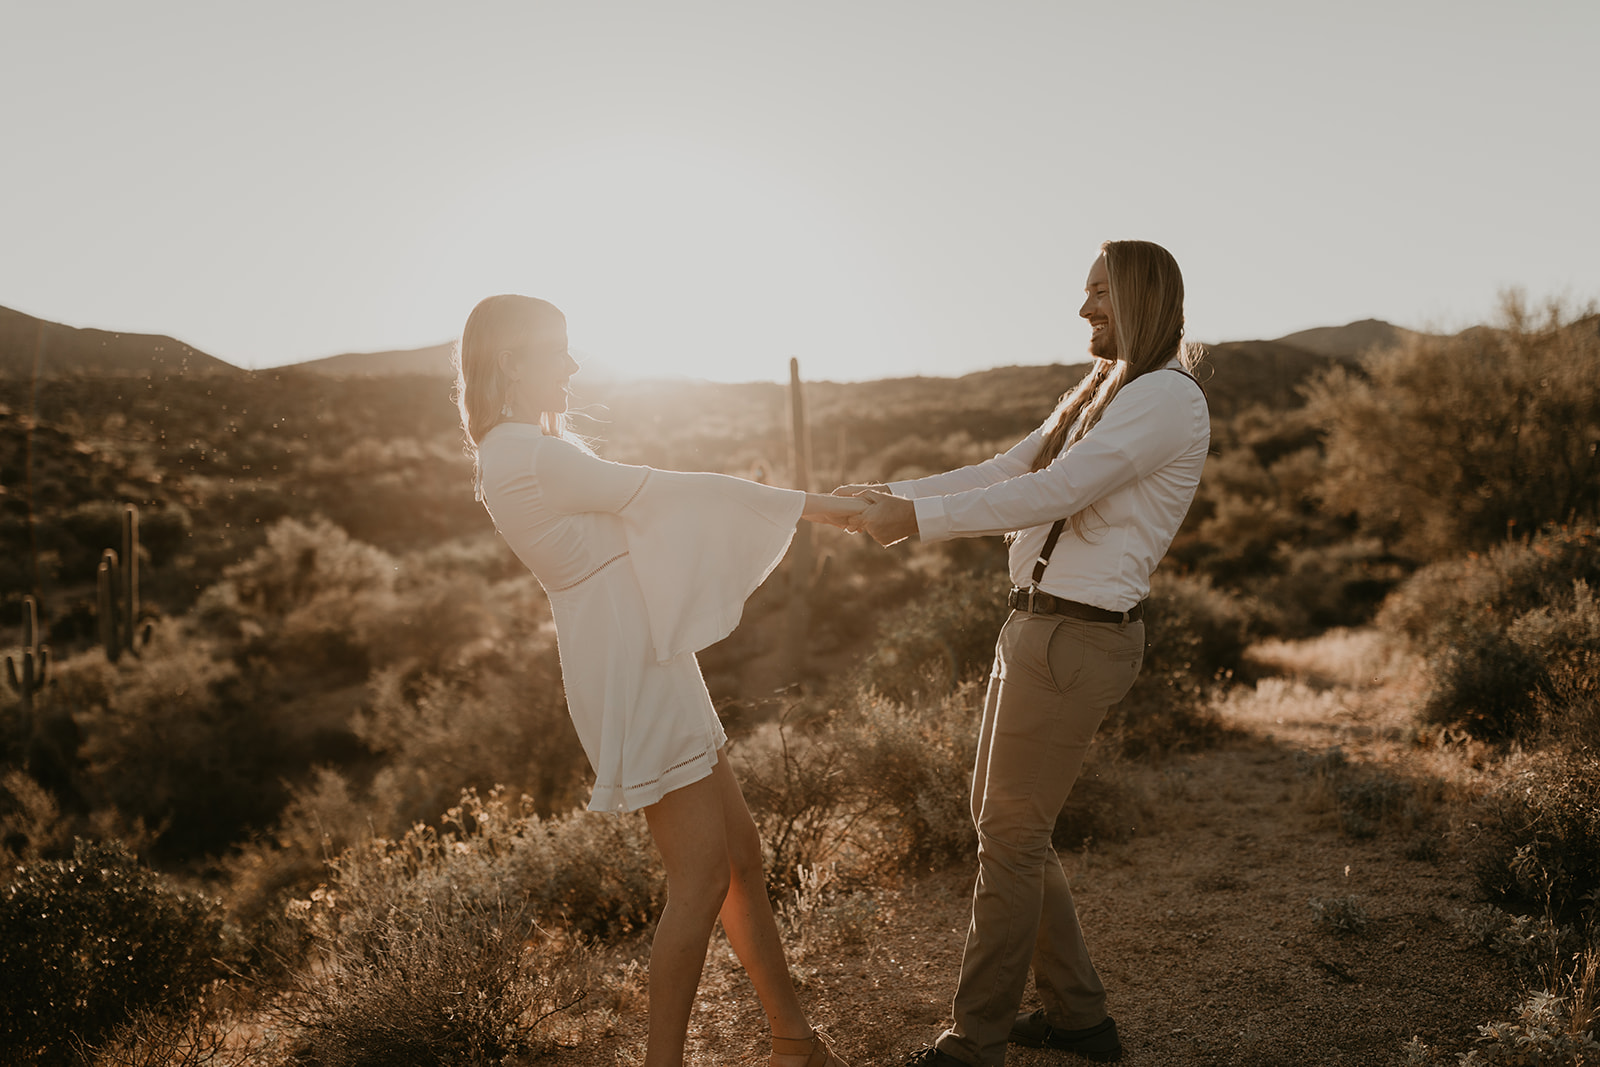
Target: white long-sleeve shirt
[[1138, 468]]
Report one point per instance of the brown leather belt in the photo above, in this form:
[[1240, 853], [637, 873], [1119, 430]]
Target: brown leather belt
[[1039, 603]]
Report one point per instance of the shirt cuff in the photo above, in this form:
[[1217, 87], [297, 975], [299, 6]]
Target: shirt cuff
[[901, 489], [933, 522]]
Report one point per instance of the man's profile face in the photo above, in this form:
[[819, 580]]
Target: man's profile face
[[1097, 309]]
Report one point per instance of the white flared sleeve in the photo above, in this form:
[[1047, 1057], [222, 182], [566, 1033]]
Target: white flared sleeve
[[701, 544]]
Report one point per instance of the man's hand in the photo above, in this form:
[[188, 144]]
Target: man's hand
[[889, 519], [857, 490]]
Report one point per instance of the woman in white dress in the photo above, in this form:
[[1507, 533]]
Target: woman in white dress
[[643, 568]]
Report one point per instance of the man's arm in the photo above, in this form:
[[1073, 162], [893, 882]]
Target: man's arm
[[1147, 426]]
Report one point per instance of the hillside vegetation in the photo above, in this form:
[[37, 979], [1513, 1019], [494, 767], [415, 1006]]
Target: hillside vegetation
[[336, 763]]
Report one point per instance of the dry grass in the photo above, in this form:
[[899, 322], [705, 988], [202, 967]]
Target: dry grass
[[1350, 659]]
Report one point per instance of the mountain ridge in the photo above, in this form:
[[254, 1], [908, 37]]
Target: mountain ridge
[[30, 345]]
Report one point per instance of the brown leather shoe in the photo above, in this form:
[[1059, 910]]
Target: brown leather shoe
[[814, 1047]]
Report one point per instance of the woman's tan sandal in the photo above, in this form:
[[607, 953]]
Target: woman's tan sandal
[[814, 1047]]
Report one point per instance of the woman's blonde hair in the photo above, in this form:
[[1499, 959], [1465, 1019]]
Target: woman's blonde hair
[[1147, 305], [519, 325]]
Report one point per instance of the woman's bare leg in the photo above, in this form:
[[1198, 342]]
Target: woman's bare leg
[[688, 827], [747, 914]]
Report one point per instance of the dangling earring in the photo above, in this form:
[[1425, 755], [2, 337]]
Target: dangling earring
[[505, 409]]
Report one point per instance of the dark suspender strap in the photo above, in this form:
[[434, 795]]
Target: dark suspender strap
[[1043, 561], [1049, 546]]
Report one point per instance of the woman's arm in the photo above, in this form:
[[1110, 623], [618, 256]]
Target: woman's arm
[[572, 480]]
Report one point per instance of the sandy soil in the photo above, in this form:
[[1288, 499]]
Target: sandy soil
[[1200, 923]]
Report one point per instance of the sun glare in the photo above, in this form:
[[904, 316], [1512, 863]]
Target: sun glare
[[671, 260]]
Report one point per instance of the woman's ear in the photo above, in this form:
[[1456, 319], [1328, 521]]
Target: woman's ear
[[504, 361]]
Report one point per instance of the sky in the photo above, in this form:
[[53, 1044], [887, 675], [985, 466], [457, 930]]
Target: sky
[[710, 188]]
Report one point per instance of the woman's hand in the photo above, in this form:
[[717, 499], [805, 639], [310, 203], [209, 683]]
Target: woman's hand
[[857, 490], [837, 511]]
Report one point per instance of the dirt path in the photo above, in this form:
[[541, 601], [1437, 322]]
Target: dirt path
[[1200, 923]]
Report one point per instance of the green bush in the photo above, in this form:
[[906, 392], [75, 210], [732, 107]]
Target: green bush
[[85, 941]]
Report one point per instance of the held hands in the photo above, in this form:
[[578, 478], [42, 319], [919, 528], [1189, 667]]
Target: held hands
[[888, 519], [840, 511], [857, 490]]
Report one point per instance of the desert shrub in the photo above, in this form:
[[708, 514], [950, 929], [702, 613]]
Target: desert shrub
[[1364, 800], [1195, 637], [596, 873], [1487, 684], [1547, 1030], [198, 1035], [1564, 638], [1513, 636], [323, 817], [1102, 807], [1538, 842], [1193, 627], [449, 980], [500, 720], [86, 940], [175, 739], [1339, 915], [816, 914], [453, 943], [31, 826], [1490, 589], [939, 638], [1447, 443], [1534, 944], [912, 764], [802, 797]]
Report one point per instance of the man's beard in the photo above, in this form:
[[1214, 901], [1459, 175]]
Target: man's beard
[[1103, 345]]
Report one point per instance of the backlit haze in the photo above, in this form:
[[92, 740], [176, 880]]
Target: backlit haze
[[709, 188]]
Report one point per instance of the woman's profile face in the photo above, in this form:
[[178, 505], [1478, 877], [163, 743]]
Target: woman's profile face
[[540, 376]]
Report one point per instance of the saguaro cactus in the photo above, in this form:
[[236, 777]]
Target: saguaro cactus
[[118, 593], [801, 576], [29, 676]]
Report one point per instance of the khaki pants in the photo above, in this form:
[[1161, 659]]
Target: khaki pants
[[1053, 680]]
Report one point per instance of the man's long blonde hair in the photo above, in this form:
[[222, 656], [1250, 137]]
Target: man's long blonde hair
[[1147, 305], [507, 323]]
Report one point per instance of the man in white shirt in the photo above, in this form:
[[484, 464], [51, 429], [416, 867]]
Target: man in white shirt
[[1092, 499]]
